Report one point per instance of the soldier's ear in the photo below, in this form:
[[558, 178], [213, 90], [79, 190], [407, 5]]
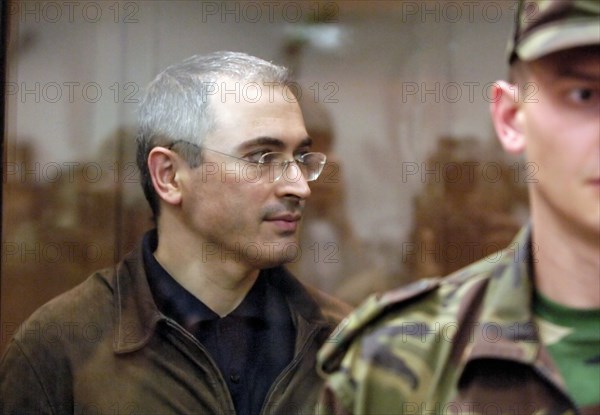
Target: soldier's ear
[[507, 116], [164, 166]]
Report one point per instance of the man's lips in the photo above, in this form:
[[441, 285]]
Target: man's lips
[[286, 222], [288, 217], [594, 182]]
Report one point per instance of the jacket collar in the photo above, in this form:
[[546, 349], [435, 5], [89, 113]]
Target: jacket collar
[[506, 328], [136, 314]]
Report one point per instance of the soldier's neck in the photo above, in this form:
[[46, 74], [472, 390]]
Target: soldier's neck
[[566, 261]]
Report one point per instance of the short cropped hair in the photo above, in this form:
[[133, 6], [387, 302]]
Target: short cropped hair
[[176, 105]]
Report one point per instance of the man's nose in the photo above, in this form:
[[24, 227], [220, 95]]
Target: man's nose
[[293, 182]]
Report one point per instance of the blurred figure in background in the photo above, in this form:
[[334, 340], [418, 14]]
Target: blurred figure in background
[[330, 250]]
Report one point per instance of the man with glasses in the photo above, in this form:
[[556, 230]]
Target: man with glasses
[[202, 318], [518, 332]]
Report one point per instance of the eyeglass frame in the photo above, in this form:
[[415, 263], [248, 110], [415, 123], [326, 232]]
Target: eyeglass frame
[[261, 161]]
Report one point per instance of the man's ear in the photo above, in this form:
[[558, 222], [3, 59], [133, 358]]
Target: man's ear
[[163, 165], [506, 116]]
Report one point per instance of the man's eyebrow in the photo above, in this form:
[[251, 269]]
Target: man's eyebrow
[[270, 141], [307, 142]]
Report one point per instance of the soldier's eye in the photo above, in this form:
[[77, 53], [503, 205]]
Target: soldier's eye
[[584, 96]]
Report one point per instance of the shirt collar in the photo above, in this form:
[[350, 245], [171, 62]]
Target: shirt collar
[[136, 312], [173, 300]]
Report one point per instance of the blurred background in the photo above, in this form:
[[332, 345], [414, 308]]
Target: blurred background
[[396, 92]]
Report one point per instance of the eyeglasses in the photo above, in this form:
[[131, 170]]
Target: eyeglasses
[[275, 163]]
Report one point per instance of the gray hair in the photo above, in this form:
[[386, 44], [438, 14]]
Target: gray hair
[[176, 105]]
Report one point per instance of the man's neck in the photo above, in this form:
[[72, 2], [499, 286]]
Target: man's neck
[[566, 262], [221, 284]]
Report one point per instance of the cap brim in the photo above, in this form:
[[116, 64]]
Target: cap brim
[[559, 37]]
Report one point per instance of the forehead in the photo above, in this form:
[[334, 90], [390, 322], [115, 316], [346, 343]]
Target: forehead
[[581, 63], [246, 109]]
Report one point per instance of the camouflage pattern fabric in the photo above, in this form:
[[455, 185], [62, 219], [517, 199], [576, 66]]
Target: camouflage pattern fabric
[[546, 26], [465, 344]]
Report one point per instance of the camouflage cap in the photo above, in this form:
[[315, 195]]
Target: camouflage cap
[[546, 26]]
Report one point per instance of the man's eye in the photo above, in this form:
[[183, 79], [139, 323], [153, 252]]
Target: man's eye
[[255, 156], [300, 155]]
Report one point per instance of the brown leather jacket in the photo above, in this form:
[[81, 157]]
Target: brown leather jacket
[[103, 347]]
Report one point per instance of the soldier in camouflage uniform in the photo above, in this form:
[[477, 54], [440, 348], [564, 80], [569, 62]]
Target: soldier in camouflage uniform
[[517, 332]]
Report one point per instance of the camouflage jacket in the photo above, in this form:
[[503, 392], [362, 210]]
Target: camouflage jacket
[[465, 344]]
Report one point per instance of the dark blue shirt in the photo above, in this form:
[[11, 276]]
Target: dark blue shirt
[[251, 345]]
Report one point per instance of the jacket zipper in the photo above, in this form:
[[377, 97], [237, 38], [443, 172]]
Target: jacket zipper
[[215, 368], [288, 369]]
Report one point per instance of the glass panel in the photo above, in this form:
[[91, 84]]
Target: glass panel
[[396, 93]]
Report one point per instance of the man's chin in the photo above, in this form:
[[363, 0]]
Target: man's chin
[[275, 253]]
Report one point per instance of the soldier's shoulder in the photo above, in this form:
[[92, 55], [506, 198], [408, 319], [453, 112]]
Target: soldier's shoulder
[[420, 301], [367, 316]]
